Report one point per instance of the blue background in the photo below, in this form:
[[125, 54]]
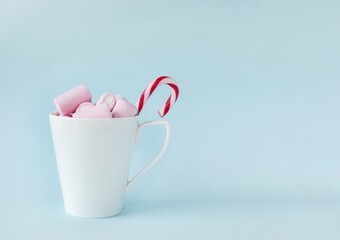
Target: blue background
[[254, 152]]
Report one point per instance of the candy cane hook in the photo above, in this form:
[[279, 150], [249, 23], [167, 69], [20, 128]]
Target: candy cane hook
[[151, 88]]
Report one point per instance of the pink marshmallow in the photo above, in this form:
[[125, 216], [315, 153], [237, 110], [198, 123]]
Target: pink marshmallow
[[119, 97], [84, 106], [88, 110], [68, 102], [123, 108], [108, 99]]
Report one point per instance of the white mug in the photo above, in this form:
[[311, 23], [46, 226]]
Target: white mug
[[93, 159]]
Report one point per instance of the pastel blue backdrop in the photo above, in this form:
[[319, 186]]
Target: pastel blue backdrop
[[254, 151]]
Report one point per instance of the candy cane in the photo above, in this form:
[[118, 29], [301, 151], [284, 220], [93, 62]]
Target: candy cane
[[151, 88]]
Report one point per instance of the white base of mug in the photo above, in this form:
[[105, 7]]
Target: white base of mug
[[93, 215]]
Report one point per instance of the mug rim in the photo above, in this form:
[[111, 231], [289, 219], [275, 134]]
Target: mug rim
[[56, 115]]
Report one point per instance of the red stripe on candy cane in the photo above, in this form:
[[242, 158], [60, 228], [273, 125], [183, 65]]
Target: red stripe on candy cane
[[140, 102], [152, 87], [156, 83]]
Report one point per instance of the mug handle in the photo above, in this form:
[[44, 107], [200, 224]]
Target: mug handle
[[166, 124]]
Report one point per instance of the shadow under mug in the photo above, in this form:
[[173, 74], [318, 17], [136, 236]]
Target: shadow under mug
[[93, 159]]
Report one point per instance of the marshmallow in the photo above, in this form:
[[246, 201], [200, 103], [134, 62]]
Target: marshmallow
[[108, 99], [119, 97], [68, 102], [88, 110], [84, 106], [123, 108]]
